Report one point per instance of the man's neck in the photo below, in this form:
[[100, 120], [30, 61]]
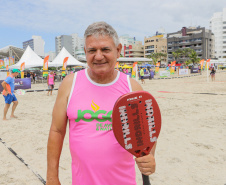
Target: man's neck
[[103, 78]]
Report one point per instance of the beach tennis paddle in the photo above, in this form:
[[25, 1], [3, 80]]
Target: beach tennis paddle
[[136, 123]]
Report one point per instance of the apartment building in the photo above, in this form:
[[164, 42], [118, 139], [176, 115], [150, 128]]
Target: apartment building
[[155, 44], [134, 50], [77, 46], [37, 44], [126, 41], [63, 41], [199, 39], [72, 43], [51, 54], [218, 27]]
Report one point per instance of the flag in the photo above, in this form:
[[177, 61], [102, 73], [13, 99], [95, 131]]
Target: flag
[[157, 67], [64, 66], [116, 65], [134, 69], [22, 67], [172, 69], [207, 64], [7, 68], [201, 63], [2, 64], [45, 66]]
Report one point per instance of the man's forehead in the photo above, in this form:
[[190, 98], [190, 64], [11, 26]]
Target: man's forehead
[[104, 41]]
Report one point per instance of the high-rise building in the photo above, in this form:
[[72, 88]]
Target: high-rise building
[[134, 50], [77, 46], [52, 55], [155, 44], [72, 43], [199, 39], [126, 40], [218, 27], [63, 41], [37, 44]]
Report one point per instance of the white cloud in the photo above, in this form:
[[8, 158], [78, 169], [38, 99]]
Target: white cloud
[[137, 18]]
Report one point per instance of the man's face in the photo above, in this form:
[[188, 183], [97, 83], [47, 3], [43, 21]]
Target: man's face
[[15, 74], [101, 54]]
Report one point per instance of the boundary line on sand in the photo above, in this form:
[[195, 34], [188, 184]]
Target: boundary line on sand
[[18, 157]]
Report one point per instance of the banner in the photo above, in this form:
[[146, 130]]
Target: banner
[[7, 68], [134, 69], [64, 66], [24, 83], [157, 67], [201, 63], [2, 64], [45, 66], [164, 74], [172, 69], [183, 71], [207, 63], [22, 67], [11, 61], [194, 70]]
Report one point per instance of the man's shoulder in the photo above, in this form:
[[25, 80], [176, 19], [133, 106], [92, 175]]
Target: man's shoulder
[[135, 85], [9, 79]]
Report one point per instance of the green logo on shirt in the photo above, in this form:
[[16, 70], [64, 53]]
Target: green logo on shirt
[[100, 115]]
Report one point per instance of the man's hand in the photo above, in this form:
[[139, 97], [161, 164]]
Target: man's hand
[[6, 93], [146, 164]]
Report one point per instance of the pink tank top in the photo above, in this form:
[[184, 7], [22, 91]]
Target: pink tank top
[[97, 158], [51, 79]]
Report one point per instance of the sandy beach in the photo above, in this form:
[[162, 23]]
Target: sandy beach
[[191, 148]]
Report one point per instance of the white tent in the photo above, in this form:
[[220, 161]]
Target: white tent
[[58, 61], [30, 58]]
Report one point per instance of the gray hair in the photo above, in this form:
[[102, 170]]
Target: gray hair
[[101, 29]]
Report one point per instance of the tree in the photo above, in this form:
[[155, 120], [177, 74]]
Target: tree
[[156, 56], [177, 54], [194, 57]]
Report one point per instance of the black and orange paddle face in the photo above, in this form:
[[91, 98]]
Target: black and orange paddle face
[[136, 122]]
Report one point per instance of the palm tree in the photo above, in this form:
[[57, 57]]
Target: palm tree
[[194, 57], [156, 56], [177, 54]]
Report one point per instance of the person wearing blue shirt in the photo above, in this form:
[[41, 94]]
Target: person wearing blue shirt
[[8, 93]]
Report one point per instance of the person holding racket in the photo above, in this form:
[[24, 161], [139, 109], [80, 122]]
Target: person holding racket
[[86, 99]]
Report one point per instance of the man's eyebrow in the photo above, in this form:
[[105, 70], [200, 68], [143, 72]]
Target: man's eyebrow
[[90, 48]]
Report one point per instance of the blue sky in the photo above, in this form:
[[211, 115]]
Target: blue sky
[[20, 19]]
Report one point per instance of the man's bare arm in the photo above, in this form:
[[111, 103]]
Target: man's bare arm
[[58, 130]]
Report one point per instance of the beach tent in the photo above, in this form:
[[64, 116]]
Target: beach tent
[[30, 58], [58, 61]]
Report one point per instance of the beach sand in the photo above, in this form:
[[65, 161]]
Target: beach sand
[[191, 147]]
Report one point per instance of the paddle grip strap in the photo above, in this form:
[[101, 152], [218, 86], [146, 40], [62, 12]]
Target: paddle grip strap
[[146, 180]]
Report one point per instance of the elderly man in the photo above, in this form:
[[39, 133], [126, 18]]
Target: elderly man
[[97, 158], [8, 93]]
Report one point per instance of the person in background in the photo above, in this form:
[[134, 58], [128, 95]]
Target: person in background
[[142, 75], [51, 83], [212, 73], [8, 93], [97, 157]]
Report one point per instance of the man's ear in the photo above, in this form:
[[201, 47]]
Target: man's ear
[[119, 49]]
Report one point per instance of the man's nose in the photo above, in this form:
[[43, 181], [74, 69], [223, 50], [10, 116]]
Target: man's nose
[[99, 55]]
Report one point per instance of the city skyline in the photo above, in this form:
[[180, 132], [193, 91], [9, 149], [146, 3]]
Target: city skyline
[[47, 18]]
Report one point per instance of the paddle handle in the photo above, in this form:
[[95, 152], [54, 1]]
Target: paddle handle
[[145, 180]]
